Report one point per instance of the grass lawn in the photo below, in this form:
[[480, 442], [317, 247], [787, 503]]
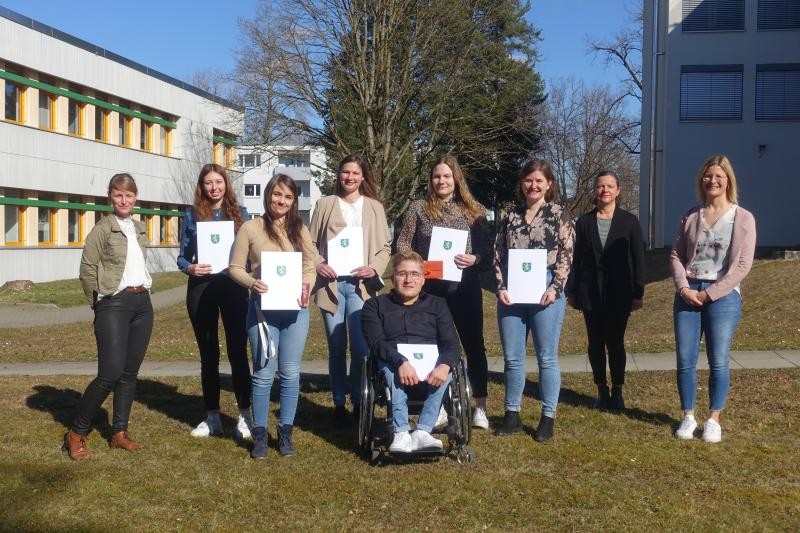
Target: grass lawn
[[602, 471], [68, 292], [770, 321]]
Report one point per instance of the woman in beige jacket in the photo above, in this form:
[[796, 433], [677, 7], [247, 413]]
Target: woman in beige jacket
[[341, 295]]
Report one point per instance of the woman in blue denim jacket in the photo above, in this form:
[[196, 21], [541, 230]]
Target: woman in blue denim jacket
[[210, 295]]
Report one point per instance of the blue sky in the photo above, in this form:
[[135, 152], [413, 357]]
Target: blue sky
[[179, 37]]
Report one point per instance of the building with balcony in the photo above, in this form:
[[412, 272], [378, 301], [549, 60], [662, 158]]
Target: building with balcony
[[74, 115], [301, 163], [721, 76]]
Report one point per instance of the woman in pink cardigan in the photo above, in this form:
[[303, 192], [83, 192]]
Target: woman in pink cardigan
[[712, 253]]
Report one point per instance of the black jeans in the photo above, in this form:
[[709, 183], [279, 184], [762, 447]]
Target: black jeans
[[606, 329], [206, 298], [465, 301], [122, 327]]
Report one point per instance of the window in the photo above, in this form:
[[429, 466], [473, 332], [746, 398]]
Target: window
[[778, 14], [165, 232], [228, 156], [101, 124], [252, 190], [249, 160], [75, 117], [165, 140], [711, 92], [124, 130], [14, 222], [144, 136], [46, 224], [15, 102], [98, 215], [778, 92], [294, 159], [713, 15], [47, 107], [75, 223]]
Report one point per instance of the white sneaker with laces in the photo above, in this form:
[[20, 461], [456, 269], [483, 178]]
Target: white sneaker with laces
[[441, 420], [712, 431], [401, 443], [242, 431], [208, 427], [479, 418], [422, 440], [686, 430]]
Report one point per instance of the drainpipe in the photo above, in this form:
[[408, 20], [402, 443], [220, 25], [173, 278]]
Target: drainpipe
[[651, 178]]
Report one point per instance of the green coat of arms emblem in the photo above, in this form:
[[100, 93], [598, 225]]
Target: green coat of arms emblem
[[215, 238], [526, 267], [345, 243], [281, 270], [418, 355], [448, 245]]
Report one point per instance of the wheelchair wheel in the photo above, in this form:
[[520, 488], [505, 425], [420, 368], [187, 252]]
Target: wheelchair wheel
[[462, 404], [366, 413]]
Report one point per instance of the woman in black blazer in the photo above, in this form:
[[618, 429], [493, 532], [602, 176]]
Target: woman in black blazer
[[607, 283]]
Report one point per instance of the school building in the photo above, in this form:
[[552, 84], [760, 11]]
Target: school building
[[74, 114]]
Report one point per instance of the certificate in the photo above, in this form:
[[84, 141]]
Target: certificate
[[214, 242], [283, 274], [446, 243], [346, 250], [422, 357], [527, 275]]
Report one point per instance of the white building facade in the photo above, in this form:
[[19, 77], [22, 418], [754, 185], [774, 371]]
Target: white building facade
[[302, 163], [721, 76], [76, 114]]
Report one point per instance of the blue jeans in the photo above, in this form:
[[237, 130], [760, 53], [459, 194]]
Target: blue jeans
[[347, 318], [718, 320], [515, 321], [430, 407], [288, 331]]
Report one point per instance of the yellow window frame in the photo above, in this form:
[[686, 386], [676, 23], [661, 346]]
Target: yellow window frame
[[21, 92], [21, 210], [80, 240], [167, 239], [53, 228], [81, 123], [52, 110]]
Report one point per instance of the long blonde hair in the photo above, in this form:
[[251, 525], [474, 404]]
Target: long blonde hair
[[462, 196], [724, 163]]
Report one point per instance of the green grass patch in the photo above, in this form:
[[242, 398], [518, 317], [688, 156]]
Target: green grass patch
[[68, 292], [602, 471]]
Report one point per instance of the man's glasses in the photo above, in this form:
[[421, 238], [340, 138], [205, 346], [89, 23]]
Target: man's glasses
[[413, 274]]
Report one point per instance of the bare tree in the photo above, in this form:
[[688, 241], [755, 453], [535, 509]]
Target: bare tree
[[585, 130], [388, 78]]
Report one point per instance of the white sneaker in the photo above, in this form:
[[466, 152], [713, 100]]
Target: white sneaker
[[401, 443], [712, 431], [242, 431], [479, 418], [208, 427], [441, 420], [422, 440], [686, 430]]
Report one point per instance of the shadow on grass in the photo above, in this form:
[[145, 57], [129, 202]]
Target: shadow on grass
[[317, 418], [185, 408], [61, 404]]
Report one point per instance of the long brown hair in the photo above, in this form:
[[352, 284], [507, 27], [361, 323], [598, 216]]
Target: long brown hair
[[202, 204], [368, 187], [292, 221], [462, 196], [546, 169]]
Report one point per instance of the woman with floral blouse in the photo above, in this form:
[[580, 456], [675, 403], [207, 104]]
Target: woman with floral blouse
[[538, 222]]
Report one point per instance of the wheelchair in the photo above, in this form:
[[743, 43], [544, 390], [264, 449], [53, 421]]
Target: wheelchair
[[375, 428]]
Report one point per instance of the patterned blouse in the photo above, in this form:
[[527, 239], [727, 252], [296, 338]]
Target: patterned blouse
[[552, 228], [418, 226]]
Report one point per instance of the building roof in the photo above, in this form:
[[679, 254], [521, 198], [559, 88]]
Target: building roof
[[111, 56]]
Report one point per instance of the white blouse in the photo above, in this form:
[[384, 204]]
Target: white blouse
[[352, 212], [135, 273]]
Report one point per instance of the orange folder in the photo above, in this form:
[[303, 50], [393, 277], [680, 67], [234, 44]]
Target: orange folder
[[433, 269]]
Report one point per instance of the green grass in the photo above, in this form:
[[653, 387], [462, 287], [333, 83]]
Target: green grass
[[602, 471], [68, 293], [770, 321]]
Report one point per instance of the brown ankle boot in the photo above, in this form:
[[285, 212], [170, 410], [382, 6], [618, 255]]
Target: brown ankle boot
[[75, 446], [121, 440]]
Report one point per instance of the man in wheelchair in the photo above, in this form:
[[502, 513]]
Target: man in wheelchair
[[408, 315]]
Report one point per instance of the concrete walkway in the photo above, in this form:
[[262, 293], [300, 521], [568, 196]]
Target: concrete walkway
[[29, 315], [569, 363]]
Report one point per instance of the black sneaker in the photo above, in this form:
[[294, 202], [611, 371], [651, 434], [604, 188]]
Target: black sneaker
[[545, 429], [603, 399], [259, 450], [617, 402], [511, 424], [285, 440]]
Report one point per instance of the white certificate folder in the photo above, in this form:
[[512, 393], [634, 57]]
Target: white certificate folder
[[446, 243], [422, 357], [346, 251], [527, 275], [283, 274], [214, 242]]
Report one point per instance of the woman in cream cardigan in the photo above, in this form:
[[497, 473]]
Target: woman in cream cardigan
[[340, 295]]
